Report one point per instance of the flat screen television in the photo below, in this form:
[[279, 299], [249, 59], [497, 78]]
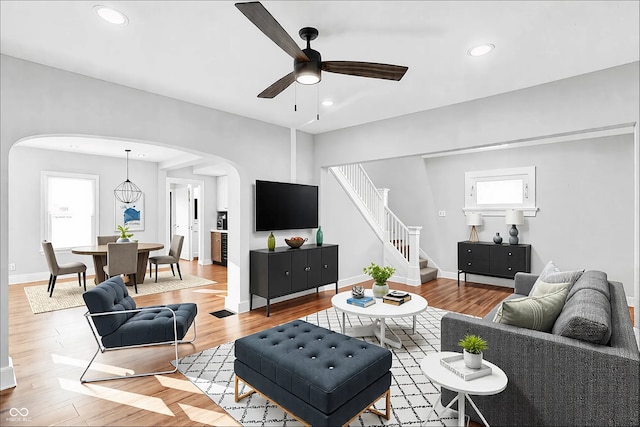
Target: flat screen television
[[285, 206]]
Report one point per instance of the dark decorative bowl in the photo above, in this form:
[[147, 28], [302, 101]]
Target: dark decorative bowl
[[295, 243]]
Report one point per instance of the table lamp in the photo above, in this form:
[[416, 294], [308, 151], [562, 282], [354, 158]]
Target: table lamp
[[474, 219], [513, 217]]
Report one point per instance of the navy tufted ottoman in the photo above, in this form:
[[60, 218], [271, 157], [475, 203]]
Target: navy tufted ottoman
[[320, 377]]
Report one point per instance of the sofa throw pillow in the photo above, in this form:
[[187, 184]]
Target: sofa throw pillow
[[535, 312], [551, 280]]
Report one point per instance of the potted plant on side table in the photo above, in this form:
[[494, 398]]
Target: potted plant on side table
[[473, 346], [380, 275]]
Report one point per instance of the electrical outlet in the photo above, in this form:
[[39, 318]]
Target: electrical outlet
[[442, 213], [12, 267]]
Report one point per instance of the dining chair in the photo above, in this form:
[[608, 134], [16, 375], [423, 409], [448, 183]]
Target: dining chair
[[122, 258], [56, 269], [103, 240], [173, 258]]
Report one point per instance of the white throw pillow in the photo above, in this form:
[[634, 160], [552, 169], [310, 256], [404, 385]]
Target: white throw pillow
[[552, 280]]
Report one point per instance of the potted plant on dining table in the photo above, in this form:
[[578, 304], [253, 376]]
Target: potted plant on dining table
[[125, 236]]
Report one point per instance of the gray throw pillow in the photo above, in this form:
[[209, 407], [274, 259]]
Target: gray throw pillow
[[537, 312], [551, 280]]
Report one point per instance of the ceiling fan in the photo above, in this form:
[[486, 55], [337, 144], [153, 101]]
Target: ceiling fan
[[307, 63]]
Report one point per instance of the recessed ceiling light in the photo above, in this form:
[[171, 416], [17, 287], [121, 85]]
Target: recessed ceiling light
[[111, 15], [142, 155], [327, 102], [480, 50]]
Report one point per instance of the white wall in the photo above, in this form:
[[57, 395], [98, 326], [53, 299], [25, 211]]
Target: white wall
[[584, 190], [40, 100], [25, 166], [607, 98]]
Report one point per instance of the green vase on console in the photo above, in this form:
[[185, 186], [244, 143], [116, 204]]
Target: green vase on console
[[271, 242], [319, 236]]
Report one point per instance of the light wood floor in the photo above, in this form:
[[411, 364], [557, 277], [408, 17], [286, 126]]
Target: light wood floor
[[50, 351]]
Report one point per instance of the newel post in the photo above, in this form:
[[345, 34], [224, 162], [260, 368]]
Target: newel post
[[414, 254]]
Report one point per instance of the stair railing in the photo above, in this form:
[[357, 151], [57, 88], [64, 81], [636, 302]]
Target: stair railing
[[366, 191]]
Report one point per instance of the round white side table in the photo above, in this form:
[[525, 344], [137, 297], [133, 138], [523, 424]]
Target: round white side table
[[483, 386]]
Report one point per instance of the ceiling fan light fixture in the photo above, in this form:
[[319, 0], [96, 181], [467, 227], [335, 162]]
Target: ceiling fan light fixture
[[480, 50], [111, 15]]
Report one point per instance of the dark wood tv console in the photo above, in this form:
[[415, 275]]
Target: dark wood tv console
[[285, 270]]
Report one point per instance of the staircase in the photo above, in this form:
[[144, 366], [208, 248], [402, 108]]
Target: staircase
[[427, 273], [401, 243]]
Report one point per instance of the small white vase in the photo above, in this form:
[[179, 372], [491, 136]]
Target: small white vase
[[380, 290], [473, 361], [122, 240]]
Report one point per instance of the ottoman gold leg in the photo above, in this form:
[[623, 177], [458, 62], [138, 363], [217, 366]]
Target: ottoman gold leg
[[238, 398]]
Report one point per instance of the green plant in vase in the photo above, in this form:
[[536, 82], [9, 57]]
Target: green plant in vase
[[473, 346], [380, 275], [124, 234]]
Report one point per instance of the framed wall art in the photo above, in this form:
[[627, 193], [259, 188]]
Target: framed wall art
[[129, 214]]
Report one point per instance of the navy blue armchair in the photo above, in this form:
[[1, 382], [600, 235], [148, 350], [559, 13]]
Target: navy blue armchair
[[117, 323]]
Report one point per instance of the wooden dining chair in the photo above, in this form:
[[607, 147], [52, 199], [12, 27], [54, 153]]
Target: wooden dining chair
[[103, 240], [56, 269], [122, 258], [172, 258]]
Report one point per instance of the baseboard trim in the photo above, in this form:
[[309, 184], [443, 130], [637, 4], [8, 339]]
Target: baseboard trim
[[7, 376]]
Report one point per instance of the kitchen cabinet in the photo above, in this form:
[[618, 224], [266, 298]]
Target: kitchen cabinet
[[285, 271], [219, 248], [222, 192]]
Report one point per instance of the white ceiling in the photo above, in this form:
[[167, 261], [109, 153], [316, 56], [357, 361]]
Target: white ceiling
[[209, 53]]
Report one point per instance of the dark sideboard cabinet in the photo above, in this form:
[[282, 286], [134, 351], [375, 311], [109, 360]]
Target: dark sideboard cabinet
[[490, 259], [285, 271]]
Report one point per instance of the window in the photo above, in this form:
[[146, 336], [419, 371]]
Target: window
[[70, 209], [492, 192]]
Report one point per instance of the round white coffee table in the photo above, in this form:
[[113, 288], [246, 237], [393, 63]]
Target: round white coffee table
[[379, 312], [483, 386]]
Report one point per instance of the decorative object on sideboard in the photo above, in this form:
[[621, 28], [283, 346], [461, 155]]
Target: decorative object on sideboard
[[514, 217], [125, 236], [380, 275], [497, 239], [127, 191], [319, 236], [271, 242], [473, 346], [357, 292], [295, 242], [473, 219]]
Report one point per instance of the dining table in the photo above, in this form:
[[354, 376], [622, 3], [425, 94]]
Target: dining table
[[99, 254]]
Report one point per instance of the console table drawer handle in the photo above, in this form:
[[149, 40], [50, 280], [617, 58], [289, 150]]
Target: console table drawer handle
[[326, 266], [469, 250], [509, 253], [286, 273], [468, 263], [509, 269], [307, 269]]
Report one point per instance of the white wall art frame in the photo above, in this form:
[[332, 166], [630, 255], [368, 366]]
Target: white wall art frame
[[129, 214]]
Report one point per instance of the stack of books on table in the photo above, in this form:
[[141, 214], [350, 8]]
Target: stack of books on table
[[396, 297], [362, 302]]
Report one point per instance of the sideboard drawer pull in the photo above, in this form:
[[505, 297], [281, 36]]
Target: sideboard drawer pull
[[468, 263]]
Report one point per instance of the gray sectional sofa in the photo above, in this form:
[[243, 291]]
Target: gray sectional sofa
[[561, 377]]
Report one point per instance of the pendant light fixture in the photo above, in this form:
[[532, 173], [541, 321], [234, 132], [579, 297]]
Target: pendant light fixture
[[127, 192]]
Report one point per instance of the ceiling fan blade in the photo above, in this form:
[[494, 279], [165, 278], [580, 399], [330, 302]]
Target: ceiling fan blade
[[262, 19], [365, 69], [273, 90]]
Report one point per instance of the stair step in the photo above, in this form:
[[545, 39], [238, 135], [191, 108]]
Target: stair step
[[428, 274], [424, 263]]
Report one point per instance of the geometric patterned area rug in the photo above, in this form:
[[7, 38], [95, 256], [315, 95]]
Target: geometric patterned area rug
[[69, 294], [412, 394]]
